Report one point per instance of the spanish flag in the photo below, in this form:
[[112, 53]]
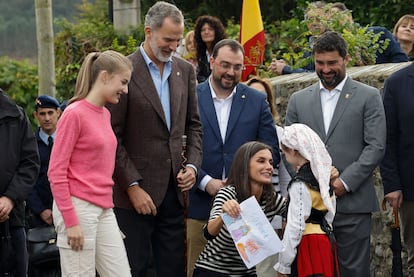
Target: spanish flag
[[252, 37]]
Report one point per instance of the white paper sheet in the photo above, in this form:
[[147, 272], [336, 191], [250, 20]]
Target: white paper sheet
[[252, 233]]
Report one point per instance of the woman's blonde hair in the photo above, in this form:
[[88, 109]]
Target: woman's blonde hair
[[404, 19], [268, 88], [110, 61]]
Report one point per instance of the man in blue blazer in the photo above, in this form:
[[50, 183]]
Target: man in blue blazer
[[397, 166], [231, 114]]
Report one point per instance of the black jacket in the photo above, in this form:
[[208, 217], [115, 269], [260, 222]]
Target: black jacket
[[397, 166], [203, 69], [19, 159], [40, 198]]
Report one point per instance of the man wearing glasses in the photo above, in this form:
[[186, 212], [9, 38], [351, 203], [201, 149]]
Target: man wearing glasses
[[231, 114]]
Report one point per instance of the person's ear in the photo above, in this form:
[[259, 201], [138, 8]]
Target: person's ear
[[104, 77], [347, 58]]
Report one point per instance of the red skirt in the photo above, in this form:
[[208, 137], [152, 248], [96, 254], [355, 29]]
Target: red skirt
[[316, 258]]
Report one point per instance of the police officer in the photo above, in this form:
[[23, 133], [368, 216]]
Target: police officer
[[47, 112]]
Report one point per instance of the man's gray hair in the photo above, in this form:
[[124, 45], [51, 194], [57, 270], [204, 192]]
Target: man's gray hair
[[159, 11]]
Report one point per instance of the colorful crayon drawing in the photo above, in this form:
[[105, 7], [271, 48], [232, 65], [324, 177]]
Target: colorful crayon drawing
[[240, 232], [242, 251]]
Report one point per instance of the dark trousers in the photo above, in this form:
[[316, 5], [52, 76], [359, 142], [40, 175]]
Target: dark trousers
[[352, 233], [163, 234], [19, 244]]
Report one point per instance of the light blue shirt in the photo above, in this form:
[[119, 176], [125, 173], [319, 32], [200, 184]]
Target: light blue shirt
[[44, 137], [160, 83]]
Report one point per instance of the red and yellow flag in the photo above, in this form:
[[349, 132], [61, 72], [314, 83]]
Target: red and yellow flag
[[252, 36]]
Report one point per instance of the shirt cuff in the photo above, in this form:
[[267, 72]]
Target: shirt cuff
[[345, 185], [135, 183], [203, 184], [193, 167]]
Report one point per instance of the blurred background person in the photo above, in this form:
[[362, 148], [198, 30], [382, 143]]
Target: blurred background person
[[40, 200], [208, 30], [404, 33], [189, 44]]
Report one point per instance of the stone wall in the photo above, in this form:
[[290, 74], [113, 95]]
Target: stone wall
[[374, 75]]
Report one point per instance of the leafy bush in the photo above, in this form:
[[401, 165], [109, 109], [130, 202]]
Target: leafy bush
[[19, 80], [92, 32], [289, 40]]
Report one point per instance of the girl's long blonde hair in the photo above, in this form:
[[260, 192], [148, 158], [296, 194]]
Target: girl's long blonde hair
[[111, 61]]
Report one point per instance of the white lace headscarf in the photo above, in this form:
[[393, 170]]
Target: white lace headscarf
[[303, 139]]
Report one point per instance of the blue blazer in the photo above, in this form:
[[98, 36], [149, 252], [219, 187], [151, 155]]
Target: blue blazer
[[250, 119], [397, 166]]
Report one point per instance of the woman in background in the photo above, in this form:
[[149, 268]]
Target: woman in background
[[208, 30], [404, 33], [81, 167]]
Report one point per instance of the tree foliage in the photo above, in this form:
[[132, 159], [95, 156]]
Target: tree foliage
[[92, 32], [19, 80]]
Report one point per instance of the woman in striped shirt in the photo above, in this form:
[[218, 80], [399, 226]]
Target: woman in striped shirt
[[250, 175]]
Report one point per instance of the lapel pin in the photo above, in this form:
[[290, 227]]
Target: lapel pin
[[347, 96], [243, 96]]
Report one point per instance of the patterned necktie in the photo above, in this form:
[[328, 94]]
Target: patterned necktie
[[50, 140]]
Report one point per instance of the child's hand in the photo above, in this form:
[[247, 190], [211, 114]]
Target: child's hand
[[334, 173]]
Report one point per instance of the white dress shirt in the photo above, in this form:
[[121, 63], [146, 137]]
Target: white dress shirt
[[223, 108], [329, 99]]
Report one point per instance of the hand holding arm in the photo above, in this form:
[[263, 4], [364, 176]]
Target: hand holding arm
[[338, 187]]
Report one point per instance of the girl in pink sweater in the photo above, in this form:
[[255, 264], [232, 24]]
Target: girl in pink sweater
[[81, 167]]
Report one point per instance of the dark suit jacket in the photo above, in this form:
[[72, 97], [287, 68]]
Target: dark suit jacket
[[397, 167], [355, 139], [40, 198], [250, 119], [147, 151]]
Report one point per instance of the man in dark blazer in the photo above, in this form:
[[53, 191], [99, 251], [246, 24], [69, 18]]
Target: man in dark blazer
[[40, 199], [397, 166], [149, 123], [231, 114], [349, 117]]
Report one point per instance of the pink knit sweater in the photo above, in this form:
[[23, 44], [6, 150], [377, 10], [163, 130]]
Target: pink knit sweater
[[83, 159]]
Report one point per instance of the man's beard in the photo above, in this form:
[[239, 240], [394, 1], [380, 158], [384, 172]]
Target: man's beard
[[333, 83], [158, 52]]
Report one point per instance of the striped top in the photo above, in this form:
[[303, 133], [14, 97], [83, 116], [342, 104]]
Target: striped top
[[220, 254]]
